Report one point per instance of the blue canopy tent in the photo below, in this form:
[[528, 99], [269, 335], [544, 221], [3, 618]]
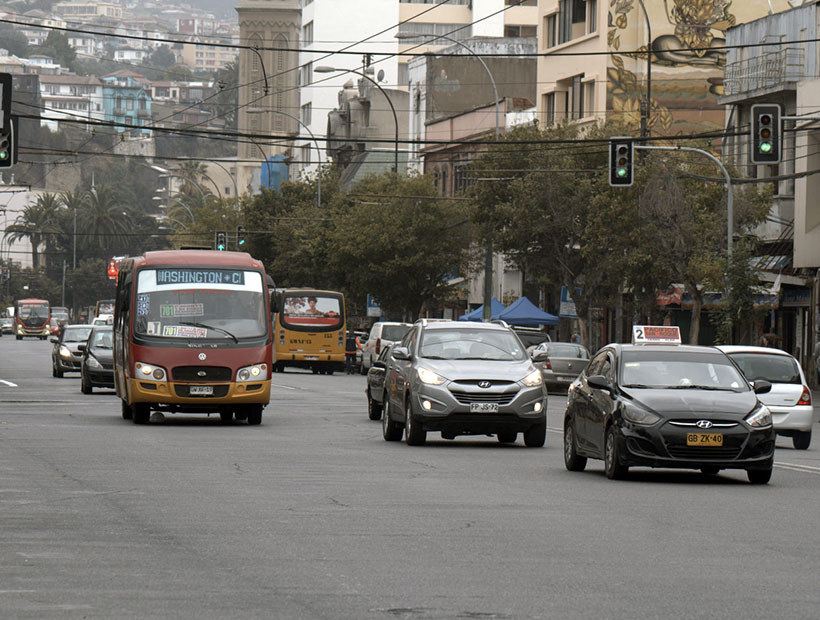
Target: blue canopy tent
[[478, 314], [523, 312]]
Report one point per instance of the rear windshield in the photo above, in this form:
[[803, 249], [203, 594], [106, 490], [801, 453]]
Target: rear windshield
[[773, 368], [394, 332], [557, 349]]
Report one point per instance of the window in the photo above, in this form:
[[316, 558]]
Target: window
[[306, 74], [564, 21], [305, 155], [576, 18], [592, 16], [548, 105], [307, 33], [577, 110], [307, 113], [550, 23], [519, 31]]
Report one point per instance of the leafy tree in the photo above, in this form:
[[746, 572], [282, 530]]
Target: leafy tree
[[223, 103], [105, 223], [162, 58], [57, 47], [14, 41]]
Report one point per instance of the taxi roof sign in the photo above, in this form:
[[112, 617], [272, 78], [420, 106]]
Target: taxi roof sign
[[656, 334]]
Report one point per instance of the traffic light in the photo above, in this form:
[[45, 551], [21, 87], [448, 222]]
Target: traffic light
[[8, 150], [221, 240], [765, 138], [6, 274], [240, 237], [621, 161]]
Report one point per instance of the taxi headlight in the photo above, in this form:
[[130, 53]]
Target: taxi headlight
[[429, 377], [65, 351], [92, 362], [257, 372], [533, 379], [639, 415], [149, 371], [760, 417]]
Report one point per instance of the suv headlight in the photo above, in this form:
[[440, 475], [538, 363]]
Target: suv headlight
[[639, 415], [149, 371], [533, 379], [760, 417], [429, 377], [257, 372]]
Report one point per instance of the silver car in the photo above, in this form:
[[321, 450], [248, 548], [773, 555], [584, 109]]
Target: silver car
[[789, 399], [564, 362], [461, 378]]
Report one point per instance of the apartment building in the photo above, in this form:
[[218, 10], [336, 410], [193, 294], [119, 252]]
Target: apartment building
[[89, 10], [127, 102], [70, 97], [206, 56]]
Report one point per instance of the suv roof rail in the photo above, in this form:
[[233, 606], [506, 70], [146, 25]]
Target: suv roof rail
[[500, 322]]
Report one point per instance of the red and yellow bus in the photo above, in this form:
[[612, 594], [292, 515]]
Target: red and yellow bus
[[309, 330], [31, 318], [192, 334]]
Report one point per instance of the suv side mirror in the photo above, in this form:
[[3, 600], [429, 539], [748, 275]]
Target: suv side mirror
[[599, 382], [401, 353]]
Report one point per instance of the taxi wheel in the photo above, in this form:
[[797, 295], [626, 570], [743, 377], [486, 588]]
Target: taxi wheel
[[391, 431], [53, 369], [759, 476], [801, 441], [507, 437], [126, 410], [58, 372], [85, 386], [572, 460], [710, 470], [141, 413], [374, 409], [414, 434], [254, 415], [535, 436], [612, 465]]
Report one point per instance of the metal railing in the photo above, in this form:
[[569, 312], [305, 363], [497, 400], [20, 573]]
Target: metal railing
[[769, 70]]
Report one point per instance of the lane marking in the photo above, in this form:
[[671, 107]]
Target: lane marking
[[806, 469], [8, 383]]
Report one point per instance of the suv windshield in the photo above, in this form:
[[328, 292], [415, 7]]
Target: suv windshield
[[200, 303], [771, 367], [690, 369], [465, 344]]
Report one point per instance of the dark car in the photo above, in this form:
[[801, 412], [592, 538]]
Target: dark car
[[98, 360], [565, 361], [66, 355], [676, 406], [375, 384], [463, 378]]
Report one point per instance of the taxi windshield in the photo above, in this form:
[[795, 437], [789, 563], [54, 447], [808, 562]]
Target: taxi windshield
[[680, 370]]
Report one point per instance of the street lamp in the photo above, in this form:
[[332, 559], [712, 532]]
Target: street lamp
[[325, 69], [488, 250]]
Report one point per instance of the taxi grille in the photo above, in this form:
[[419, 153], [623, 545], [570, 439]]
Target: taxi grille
[[703, 452], [192, 373]]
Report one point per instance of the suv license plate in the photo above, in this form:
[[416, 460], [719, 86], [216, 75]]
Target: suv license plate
[[483, 407], [704, 439], [201, 390]]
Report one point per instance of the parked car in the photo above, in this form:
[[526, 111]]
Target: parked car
[[789, 399], [564, 362], [381, 334], [668, 405], [97, 366], [463, 378], [66, 355], [376, 384], [7, 325], [530, 336]]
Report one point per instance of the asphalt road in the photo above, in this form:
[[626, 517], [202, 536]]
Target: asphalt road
[[313, 515]]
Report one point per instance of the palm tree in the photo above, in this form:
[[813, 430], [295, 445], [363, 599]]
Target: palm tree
[[104, 221], [75, 202], [36, 223]]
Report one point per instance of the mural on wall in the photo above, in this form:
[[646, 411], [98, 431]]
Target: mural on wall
[[687, 59]]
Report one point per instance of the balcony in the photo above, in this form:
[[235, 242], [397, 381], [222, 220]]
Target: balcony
[[773, 71]]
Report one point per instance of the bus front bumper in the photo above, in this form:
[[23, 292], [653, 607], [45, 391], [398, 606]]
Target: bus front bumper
[[199, 394]]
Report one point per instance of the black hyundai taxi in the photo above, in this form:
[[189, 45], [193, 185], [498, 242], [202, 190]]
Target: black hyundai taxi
[[657, 403]]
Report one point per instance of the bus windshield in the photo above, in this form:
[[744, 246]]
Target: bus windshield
[[33, 311], [183, 302], [315, 311]]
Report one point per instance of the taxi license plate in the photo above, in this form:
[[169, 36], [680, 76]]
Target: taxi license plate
[[704, 439], [483, 407], [201, 390]]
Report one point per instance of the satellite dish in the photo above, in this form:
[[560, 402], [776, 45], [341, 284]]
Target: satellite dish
[[380, 76]]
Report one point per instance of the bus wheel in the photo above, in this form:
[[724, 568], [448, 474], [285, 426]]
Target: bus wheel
[[126, 411], [254, 415], [240, 414], [329, 371], [226, 416], [315, 370], [141, 413]]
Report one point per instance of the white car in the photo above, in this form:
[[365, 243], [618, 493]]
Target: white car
[[381, 334], [103, 319], [789, 399]]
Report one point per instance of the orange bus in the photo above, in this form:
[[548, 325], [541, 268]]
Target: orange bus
[[192, 334], [309, 330], [31, 318]]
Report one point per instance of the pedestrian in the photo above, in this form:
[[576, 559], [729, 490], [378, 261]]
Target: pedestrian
[[350, 352]]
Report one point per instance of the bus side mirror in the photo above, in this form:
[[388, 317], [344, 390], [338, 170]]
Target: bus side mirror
[[274, 303]]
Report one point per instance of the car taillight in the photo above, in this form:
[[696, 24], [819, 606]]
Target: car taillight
[[547, 364], [378, 345], [805, 398]]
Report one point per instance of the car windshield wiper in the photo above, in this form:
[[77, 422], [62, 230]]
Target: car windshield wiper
[[219, 329], [636, 385], [698, 387]]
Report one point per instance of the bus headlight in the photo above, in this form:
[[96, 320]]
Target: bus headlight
[[257, 372], [149, 371]]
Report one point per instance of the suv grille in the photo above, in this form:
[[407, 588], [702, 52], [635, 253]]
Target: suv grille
[[191, 373], [466, 398]]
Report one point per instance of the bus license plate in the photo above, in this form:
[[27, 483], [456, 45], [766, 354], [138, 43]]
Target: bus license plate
[[311, 358], [704, 439], [201, 390], [483, 407]]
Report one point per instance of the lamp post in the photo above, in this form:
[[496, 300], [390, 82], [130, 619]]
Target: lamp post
[[325, 69], [488, 250], [232, 177], [645, 113]]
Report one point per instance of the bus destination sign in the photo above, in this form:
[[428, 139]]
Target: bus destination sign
[[200, 276]]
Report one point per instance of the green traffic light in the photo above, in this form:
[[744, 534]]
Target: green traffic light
[[621, 172], [765, 147], [4, 154]]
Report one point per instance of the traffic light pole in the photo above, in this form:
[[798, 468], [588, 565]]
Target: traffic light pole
[[729, 194]]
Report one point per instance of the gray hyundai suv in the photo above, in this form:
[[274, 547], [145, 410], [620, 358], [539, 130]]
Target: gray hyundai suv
[[463, 378]]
